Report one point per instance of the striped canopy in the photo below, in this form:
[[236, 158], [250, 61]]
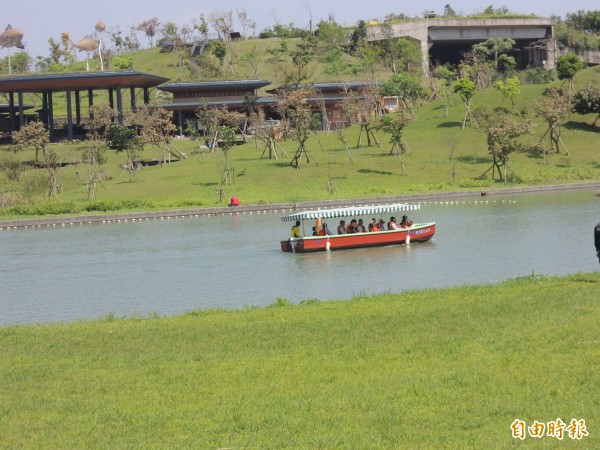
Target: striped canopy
[[367, 210]]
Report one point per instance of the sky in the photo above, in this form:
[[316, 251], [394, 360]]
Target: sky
[[42, 19]]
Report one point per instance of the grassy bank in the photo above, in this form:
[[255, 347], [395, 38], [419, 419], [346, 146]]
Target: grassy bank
[[442, 157], [446, 368]]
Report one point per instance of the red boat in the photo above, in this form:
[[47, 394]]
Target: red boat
[[419, 232]]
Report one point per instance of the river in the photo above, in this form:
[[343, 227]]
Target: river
[[172, 266]]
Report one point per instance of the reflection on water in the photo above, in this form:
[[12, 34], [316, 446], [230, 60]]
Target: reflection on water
[[177, 265]]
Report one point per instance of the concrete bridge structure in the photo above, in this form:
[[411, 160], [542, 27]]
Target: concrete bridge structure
[[444, 40]]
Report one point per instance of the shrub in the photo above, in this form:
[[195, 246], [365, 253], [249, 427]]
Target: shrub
[[120, 137]]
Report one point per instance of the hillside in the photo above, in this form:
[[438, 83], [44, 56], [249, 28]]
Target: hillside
[[253, 59], [438, 146]]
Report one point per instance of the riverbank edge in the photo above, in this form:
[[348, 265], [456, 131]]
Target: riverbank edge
[[282, 207]]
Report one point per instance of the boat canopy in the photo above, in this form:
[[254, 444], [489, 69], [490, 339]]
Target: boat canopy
[[350, 211]]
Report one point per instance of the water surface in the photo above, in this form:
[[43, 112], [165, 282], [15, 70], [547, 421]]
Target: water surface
[[229, 261]]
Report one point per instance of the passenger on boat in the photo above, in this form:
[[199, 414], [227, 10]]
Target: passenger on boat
[[406, 222], [296, 229], [360, 228], [382, 225], [373, 226], [392, 225], [325, 231], [352, 227], [341, 229], [315, 231]]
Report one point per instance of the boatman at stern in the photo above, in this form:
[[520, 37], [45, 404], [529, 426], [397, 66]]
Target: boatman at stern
[[296, 229]]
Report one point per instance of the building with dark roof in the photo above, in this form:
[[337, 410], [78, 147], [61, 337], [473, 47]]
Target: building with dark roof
[[235, 94], [73, 85]]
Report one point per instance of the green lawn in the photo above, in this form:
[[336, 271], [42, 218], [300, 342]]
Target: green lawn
[[435, 369]]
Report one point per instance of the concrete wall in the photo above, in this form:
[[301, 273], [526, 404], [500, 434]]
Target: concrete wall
[[588, 56], [429, 31]]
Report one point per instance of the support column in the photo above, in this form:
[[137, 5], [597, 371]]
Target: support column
[[180, 117], [44, 112], [91, 103], [119, 106], [11, 109], [146, 96], [132, 95], [21, 118], [69, 115], [50, 116], [77, 108]]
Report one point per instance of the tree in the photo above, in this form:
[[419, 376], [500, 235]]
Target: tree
[[501, 141], [298, 119], [588, 21], [222, 22], [477, 68], [219, 50], [408, 87], [175, 41], [466, 88], [364, 108], [101, 117], [555, 107], [155, 126], [587, 101], [125, 139], [299, 71], [245, 22], [330, 35], [55, 51], [394, 124], [511, 88], [34, 134], [358, 36], [567, 66], [20, 62], [150, 28], [496, 49], [449, 11]]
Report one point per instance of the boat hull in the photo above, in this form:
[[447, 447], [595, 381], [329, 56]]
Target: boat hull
[[417, 233]]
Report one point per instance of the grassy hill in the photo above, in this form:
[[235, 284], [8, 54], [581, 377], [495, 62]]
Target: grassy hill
[[332, 173]]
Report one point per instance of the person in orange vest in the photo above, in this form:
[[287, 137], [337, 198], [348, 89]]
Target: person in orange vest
[[234, 201], [373, 225]]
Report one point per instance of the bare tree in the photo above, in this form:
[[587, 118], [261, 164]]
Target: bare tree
[[155, 126], [299, 118], [364, 108], [245, 22], [222, 22], [101, 117], [555, 107], [150, 28], [501, 140]]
